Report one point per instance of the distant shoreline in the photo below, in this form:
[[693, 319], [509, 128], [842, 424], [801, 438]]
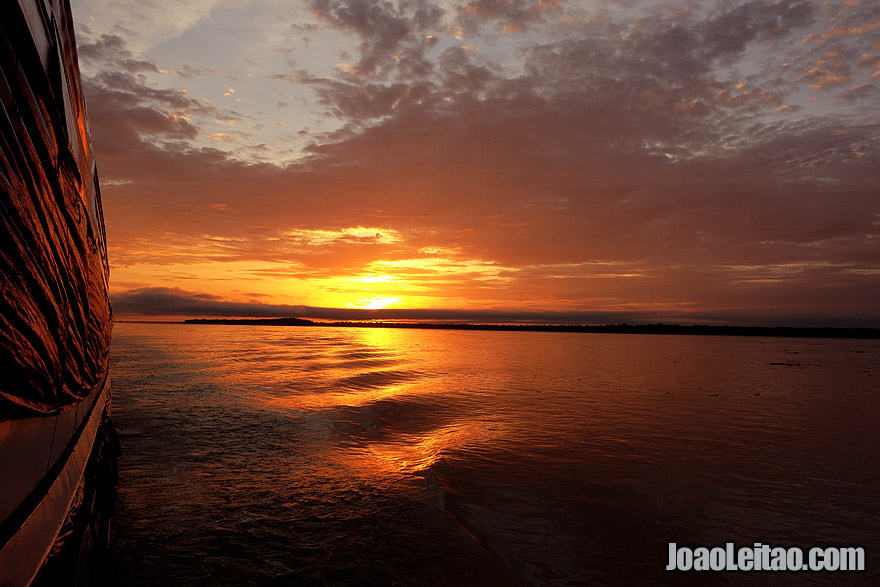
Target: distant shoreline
[[774, 331]]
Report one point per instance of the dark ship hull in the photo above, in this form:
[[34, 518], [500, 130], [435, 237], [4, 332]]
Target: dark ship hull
[[57, 446]]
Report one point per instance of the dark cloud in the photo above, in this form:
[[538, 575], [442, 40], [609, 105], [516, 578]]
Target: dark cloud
[[644, 80], [125, 122], [363, 103], [728, 33], [131, 89], [125, 108], [866, 91], [390, 32], [164, 301], [111, 51], [152, 122]]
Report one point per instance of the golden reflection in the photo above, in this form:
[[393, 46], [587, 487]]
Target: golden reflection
[[415, 453], [344, 390], [388, 341], [354, 398]]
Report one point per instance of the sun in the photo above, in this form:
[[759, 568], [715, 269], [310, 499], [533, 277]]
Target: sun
[[374, 303]]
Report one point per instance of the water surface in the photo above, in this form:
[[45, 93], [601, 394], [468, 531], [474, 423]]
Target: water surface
[[345, 456]]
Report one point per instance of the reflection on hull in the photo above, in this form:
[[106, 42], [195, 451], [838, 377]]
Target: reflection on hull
[[57, 446]]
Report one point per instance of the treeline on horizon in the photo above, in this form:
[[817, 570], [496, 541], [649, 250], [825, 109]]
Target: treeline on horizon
[[659, 328]]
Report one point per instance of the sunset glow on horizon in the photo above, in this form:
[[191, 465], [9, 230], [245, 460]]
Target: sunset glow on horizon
[[590, 161]]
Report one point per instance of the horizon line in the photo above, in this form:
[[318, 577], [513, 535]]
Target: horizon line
[[859, 332], [174, 304]]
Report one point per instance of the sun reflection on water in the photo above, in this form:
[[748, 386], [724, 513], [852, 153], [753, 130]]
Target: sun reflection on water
[[311, 448], [418, 453]]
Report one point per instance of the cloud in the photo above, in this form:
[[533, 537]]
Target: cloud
[[111, 50], [147, 23], [163, 301], [823, 78], [387, 30], [126, 109], [367, 102], [669, 163], [860, 92], [728, 33], [647, 69], [509, 15]]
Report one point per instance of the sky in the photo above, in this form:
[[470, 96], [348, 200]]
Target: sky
[[591, 161]]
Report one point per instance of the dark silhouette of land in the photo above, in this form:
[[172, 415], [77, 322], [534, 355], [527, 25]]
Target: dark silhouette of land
[[255, 321], [699, 329]]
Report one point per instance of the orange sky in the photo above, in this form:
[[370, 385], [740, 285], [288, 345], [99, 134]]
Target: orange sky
[[589, 161]]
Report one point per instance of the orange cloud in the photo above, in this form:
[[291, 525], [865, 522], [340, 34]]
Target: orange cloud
[[839, 30]]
